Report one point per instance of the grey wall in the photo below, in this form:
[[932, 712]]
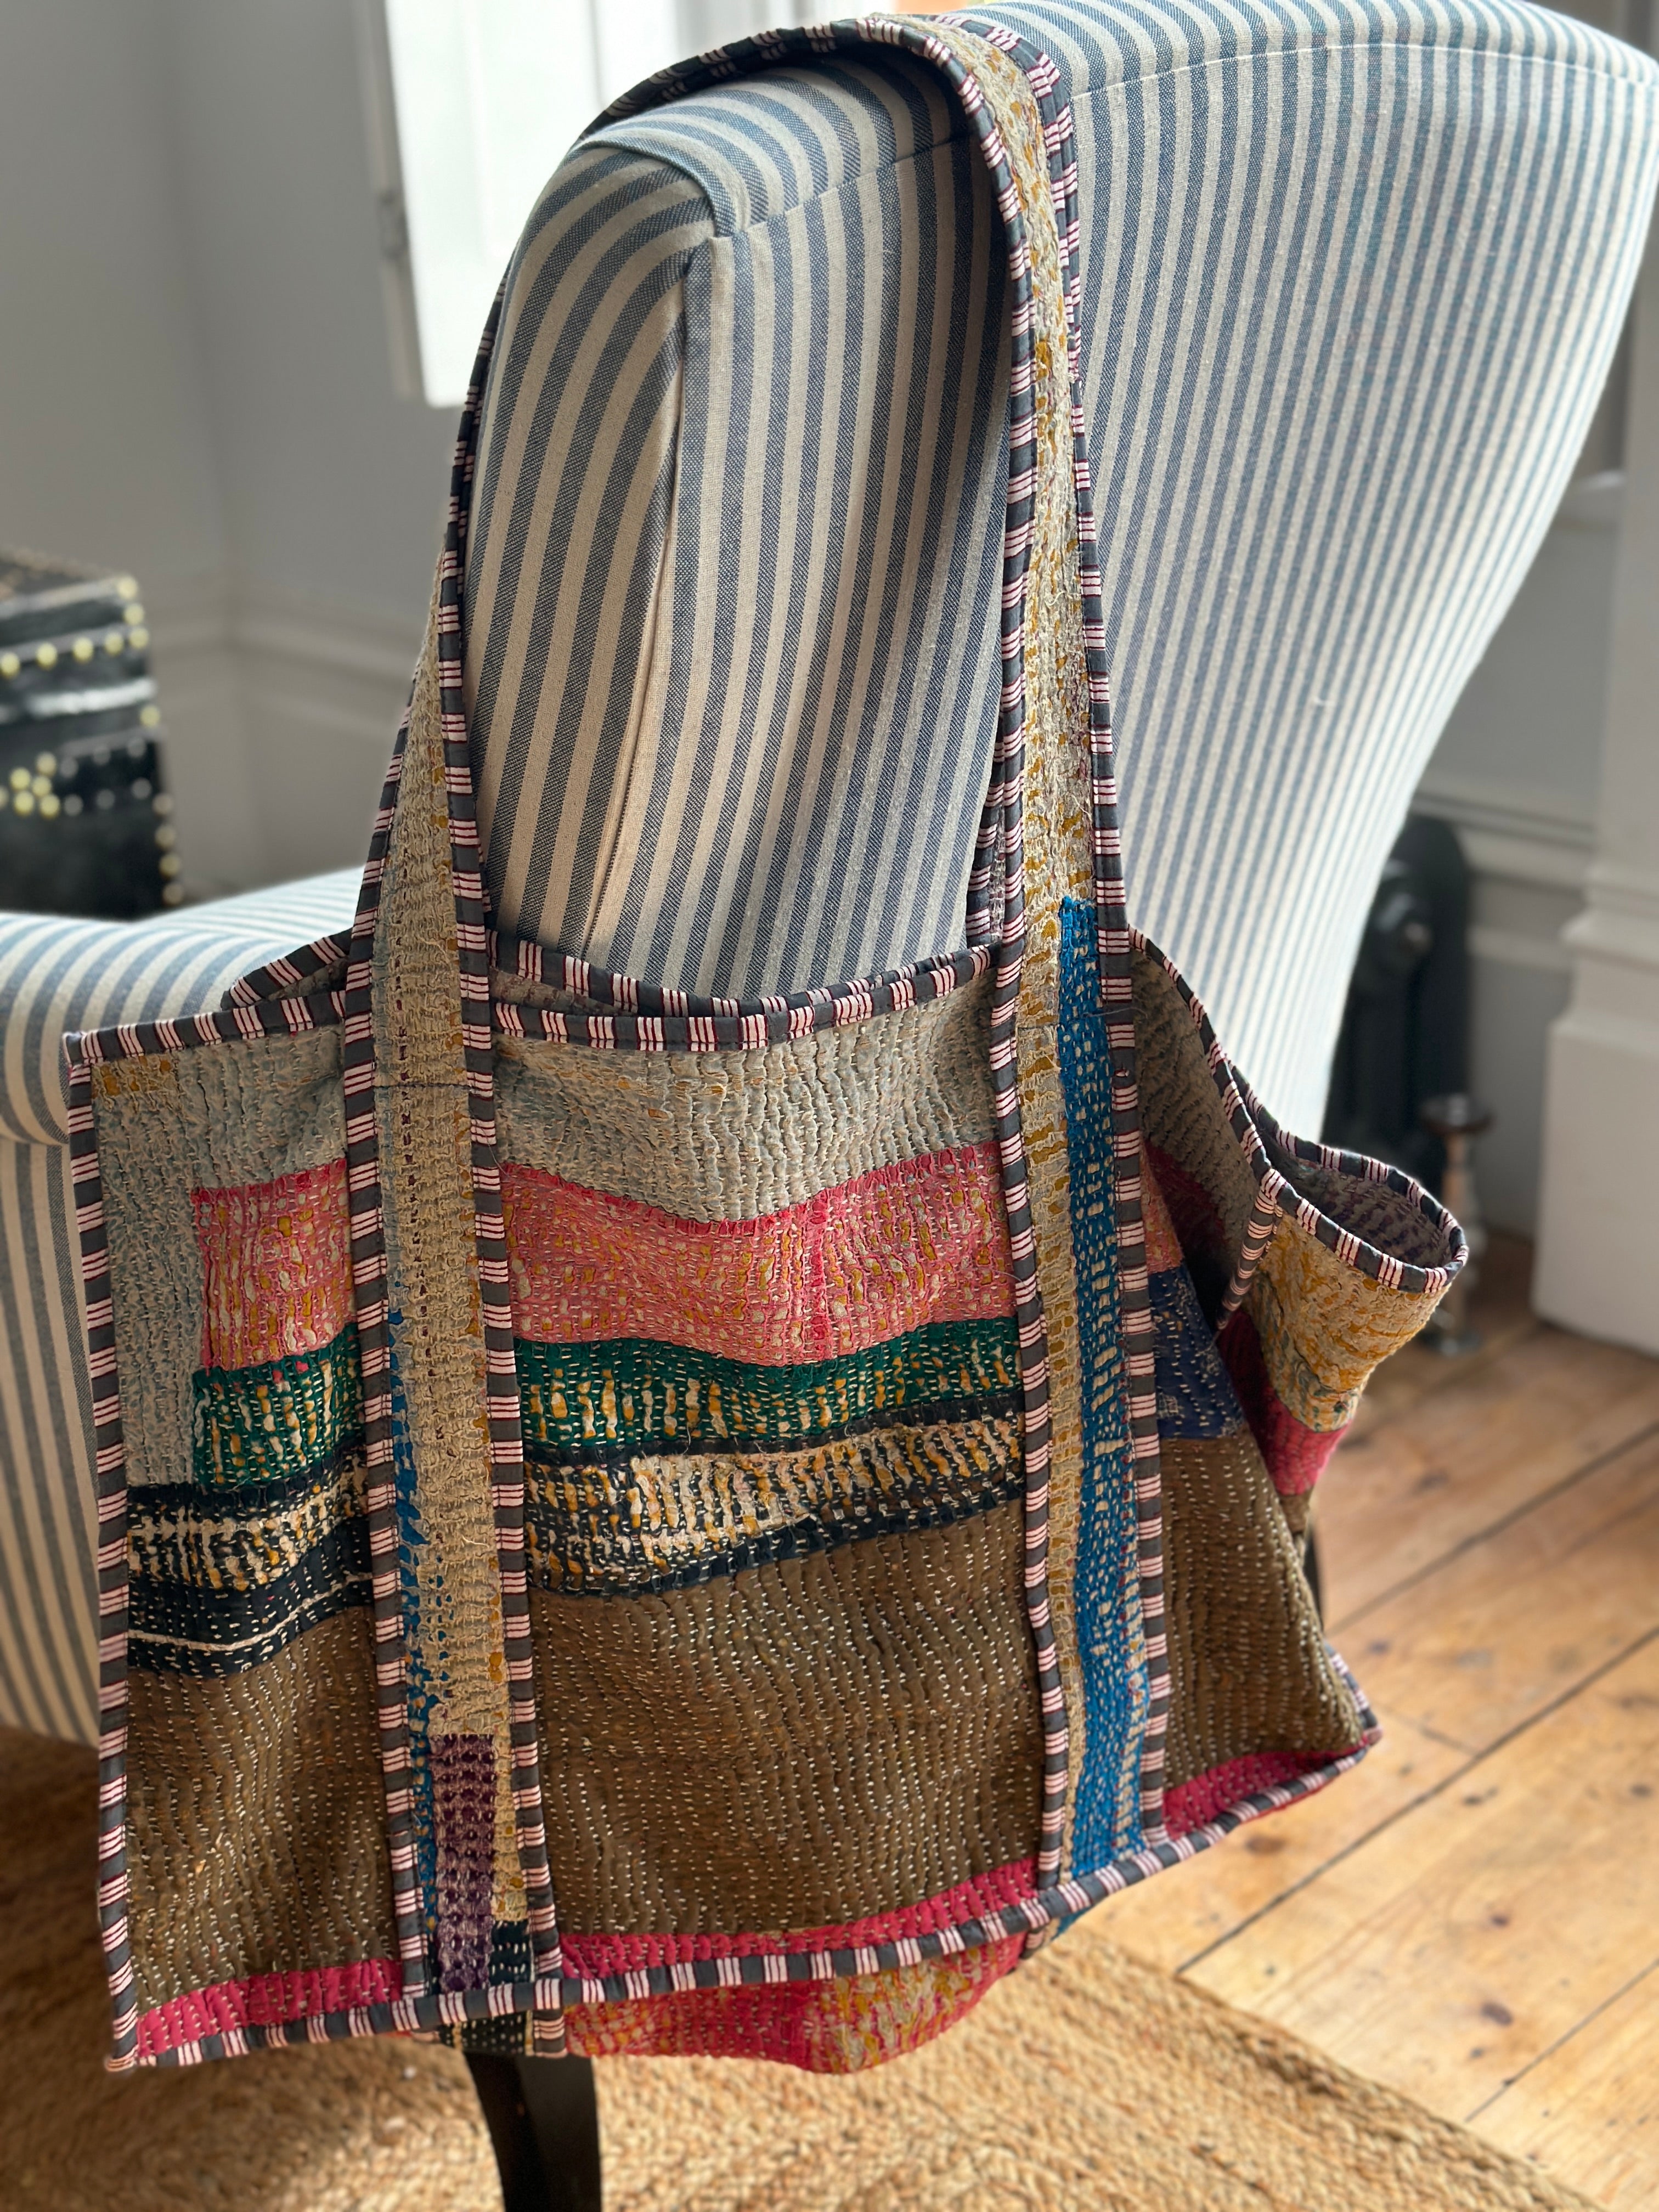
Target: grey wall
[[331, 487], [195, 384], [105, 451], [1518, 771], [103, 443]]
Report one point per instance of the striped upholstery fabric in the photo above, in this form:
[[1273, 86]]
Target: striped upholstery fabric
[[1353, 274], [802, 336], [56, 976]]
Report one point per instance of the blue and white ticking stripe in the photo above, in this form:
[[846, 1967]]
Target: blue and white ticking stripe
[[1351, 278], [764, 337]]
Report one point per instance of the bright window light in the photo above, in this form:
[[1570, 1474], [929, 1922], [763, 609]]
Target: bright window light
[[473, 105]]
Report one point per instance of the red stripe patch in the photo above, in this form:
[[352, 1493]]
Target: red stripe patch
[[1193, 1804], [1296, 1456], [922, 1242], [986, 1893], [277, 1266], [266, 2001]]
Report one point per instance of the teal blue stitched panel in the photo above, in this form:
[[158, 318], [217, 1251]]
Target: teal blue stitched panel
[[1111, 1651]]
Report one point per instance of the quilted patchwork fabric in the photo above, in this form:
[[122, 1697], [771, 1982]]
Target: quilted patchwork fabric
[[636, 1522]]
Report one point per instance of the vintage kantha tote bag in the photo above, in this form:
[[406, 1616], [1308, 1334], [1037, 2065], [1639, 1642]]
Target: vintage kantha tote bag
[[635, 1524]]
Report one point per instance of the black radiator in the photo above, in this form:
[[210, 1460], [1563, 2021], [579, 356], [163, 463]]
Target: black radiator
[[1406, 1028]]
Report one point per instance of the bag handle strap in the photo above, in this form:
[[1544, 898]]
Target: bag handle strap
[[428, 1247], [435, 1323], [1044, 250], [1044, 242], [1060, 851], [1062, 791], [1049, 855]]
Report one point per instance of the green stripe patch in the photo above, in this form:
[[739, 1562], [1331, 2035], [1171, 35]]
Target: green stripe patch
[[581, 1400], [299, 1415], [272, 1423]]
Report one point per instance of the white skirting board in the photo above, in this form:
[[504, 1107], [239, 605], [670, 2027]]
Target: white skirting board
[[1598, 1253]]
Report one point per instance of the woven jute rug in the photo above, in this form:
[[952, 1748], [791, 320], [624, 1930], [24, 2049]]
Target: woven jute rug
[[1085, 2081]]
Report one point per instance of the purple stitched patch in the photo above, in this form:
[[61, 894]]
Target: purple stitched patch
[[464, 1815]]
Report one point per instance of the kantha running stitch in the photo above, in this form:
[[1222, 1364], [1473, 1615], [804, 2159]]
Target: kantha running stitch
[[639, 1523]]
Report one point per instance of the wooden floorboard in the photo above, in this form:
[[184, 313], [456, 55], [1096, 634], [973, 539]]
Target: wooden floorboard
[[1473, 1915], [1590, 2105], [1477, 1645], [1468, 1456], [1174, 1921], [1462, 1941]]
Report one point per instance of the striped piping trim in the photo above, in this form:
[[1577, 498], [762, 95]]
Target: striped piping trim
[[502, 1385], [1276, 1196], [245, 1023], [280, 977], [1112, 952], [1042, 1913], [747, 1025], [109, 1464], [645, 1017], [649, 1019], [1005, 805]]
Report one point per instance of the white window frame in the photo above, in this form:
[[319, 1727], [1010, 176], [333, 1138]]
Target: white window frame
[[471, 104]]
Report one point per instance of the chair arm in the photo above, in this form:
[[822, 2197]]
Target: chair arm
[[57, 974]]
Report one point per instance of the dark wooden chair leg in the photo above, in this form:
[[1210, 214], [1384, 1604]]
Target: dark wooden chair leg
[[543, 2123]]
